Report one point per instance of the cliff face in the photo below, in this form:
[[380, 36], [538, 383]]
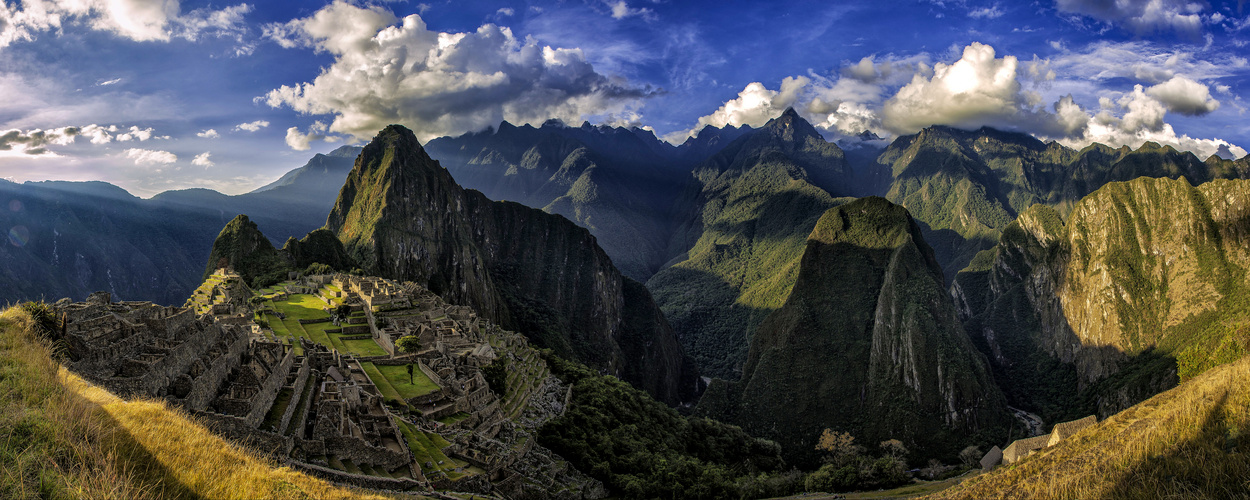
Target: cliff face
[[965, 187], [1143, 284], [400, 215], [742, 236], [867, 342]]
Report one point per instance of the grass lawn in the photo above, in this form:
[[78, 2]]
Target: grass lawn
[[398, 378], [384, 386], [363, 347], [428, 447]]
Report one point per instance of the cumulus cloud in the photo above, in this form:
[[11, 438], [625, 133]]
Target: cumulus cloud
[[203, 160], [150, 157], [300, 141], [35, 142], [1184, 96], [138, 20], [438, 83], [981, 89], [208, 134], [978, 89], [505, 11], [1137, 117], [1141, 16], [754, 106], [252, 126]]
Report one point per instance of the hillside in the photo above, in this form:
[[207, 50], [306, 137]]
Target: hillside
[[964, 187], [66, 438], [400, 215], [1144, 283], [867, 343], [1187, 442], [69, 239], [744, 226]]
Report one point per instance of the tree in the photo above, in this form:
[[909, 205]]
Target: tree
[[408, 344], [840, 446], [894, 448], [970, 455], [410, 374]]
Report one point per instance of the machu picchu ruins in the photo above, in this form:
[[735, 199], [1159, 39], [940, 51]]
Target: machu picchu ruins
[[309, 372]]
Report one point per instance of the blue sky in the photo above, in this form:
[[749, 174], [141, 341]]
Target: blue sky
[[156, 95]]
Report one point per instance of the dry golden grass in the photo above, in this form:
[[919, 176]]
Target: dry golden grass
[[62, 437], [1189, 442]]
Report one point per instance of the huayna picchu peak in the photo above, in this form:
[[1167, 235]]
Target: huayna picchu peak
[[401, 215]]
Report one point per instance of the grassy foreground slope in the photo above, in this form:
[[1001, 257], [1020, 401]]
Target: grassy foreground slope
[[61, 437], [1192, 441]]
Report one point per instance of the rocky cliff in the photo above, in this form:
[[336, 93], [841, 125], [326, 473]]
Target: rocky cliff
[[400, 215], [868, 342], [1143, 284], [964, 187], [745, 223]]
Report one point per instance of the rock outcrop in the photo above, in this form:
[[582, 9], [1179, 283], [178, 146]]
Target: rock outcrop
[[1142, 285], [868, 342], [400, 215]]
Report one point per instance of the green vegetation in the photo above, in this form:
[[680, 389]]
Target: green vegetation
[[641, 448], [868, 291], [427, 448], [396, 380], [408, 344], [240, 245], [496, 375]]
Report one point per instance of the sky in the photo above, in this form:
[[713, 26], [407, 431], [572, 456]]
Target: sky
[[154, 95]]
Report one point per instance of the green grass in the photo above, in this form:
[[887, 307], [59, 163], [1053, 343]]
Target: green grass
[[397, 376], [363, 347], [428, 448], [453, 418], [384, 386]]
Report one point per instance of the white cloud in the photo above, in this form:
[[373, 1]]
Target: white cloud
[[978, 89], [506, 11], [300, 141], [1142, 16], [991, 12], [252, 126], [36, 142], [1184, 96], [754, 106], [203, 160], [1140, 119], [982, 89], [208, 134], [622, 10], [109, 82], [138, 20], [150, 157], [1144, 61], [437, 83]]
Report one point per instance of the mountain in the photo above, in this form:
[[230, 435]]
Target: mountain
[[69, 239], [1142, 285], [400, 215], [868, 342], [964, 187], [324, 172], [619, 183], [744, 224], [1187, 442]]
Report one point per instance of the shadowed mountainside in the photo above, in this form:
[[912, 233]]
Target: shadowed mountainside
[[401, 216]]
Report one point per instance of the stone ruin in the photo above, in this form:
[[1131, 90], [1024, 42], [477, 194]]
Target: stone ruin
[[311, 406]]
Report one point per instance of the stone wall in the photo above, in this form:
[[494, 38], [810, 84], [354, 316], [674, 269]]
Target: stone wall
[[363, 481], [263, 400], [204, 387], [297, 393]]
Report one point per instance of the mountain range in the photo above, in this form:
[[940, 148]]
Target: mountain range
[[911, 292]]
